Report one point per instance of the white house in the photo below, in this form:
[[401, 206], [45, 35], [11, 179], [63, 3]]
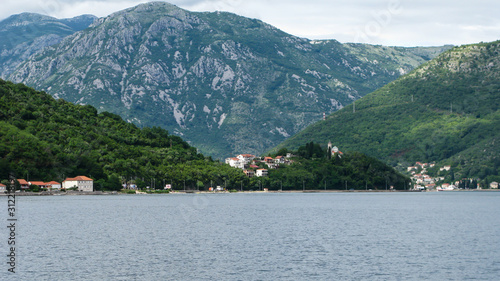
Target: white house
[[53, 185], [261, 173], [494, 185], [235, 162], [245, 158], [279, 160], [447, 168], [3, 187], [83, 183]]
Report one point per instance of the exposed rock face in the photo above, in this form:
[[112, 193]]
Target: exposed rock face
[[25, 34], [226, 83]]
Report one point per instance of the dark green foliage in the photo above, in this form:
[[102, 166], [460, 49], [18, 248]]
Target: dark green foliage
[[46, 139], [311, 150], [352, 171]]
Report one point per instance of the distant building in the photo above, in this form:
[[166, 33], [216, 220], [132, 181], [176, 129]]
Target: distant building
[[245, 158], [3, 187], [447, 168], [412, 168], [249, 173], [235, 162], [261, 173], [82, 183], [279, 160], [40, 184], [24, 184], [53, 185], [334, 150], [494, 185]]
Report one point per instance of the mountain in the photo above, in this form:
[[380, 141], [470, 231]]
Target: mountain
[[446, 110], [225, 83], [25, 34]]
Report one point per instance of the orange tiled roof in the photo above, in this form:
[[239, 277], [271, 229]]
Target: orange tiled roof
[[22, 182], [79, 178], [38, 183], [52, 183]]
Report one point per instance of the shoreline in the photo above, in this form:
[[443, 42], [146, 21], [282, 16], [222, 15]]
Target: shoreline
[[77, 193]]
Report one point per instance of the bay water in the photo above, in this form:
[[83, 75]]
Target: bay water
[[257, 236]]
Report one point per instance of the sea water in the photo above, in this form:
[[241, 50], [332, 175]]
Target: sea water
[[257, 236]]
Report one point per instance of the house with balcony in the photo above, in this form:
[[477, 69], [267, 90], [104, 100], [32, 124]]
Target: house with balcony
[[249, 173], [261, 173]]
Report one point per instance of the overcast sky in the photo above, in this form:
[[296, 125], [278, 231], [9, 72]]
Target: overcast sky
[[386, 22]]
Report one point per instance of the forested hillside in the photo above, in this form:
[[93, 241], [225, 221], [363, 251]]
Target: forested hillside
[[445, 111], [46, 139]]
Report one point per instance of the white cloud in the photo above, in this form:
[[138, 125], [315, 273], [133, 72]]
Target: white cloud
[[390, 22]]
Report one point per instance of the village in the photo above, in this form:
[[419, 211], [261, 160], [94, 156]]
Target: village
[[79, 183], [422, 181], [249, 163], [253, 166]]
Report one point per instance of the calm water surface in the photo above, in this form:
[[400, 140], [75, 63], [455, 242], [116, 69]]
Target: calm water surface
[[320, 236]]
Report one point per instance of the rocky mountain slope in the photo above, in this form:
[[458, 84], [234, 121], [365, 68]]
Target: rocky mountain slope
[[25, 34], [225, 83], [447, 111]]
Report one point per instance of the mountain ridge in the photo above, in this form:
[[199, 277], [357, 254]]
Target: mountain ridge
[[225, 83], [444, 111], [25, 34]]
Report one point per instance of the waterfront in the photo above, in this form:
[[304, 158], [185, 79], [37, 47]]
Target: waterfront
[[259, 236]]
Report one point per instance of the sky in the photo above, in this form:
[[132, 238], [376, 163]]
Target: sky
[[385, 22]]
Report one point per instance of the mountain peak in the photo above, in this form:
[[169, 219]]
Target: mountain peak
[[213, 78]]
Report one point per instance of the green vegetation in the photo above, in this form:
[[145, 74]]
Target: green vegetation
[[315, 168], [446, 111], [47, 139]]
